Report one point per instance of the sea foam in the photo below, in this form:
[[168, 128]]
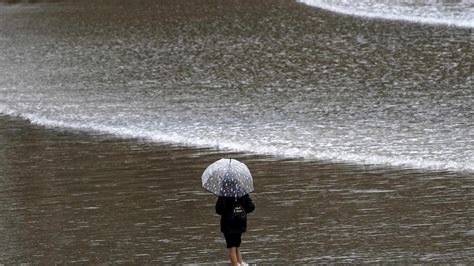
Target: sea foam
[[253, 145], [432, 12]]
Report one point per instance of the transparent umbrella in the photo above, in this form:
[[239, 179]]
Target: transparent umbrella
[[228, 178]]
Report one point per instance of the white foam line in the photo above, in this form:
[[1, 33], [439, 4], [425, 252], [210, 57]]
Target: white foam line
[[247, 147], [375, 15]]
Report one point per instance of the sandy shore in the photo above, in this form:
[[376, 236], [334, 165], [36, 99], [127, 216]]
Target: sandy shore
[[75, 197]]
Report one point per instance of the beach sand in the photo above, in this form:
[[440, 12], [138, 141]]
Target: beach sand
[[74, 197]]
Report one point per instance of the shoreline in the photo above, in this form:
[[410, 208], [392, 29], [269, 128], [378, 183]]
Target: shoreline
[[81, 197], [212, 150], [274, 77]]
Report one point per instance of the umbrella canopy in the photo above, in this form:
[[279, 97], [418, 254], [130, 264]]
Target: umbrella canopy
[[228, 178]]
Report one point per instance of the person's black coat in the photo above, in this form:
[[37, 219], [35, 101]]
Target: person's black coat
[[225, 206]]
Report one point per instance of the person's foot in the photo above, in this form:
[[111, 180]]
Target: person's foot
[[243, 263]]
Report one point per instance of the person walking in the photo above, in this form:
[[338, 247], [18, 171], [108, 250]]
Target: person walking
[[231, 181], [233, 212]]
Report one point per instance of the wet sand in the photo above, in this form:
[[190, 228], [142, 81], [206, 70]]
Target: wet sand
[[73, 197]]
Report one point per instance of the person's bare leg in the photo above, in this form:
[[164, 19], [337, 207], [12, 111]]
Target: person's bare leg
[[239, 256], [233, 256]]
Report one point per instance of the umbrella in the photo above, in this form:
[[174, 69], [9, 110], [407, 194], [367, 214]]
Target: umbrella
[[228, 178]]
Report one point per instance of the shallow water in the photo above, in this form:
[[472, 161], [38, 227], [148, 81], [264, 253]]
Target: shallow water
[[367, 124], [70, 197], [269, 77]]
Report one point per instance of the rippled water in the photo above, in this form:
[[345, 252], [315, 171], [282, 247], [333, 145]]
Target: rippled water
[[277, 78], [75, 198], [374, 118]]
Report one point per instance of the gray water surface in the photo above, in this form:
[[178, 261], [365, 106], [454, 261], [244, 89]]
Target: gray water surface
[[75, 198], [268, 77], [359, 133]]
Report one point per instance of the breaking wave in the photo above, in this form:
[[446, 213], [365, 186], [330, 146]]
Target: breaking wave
[[450, 13], [239, 144]]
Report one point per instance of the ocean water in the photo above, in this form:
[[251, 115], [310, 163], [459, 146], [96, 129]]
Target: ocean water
[[81, 198], [100, 85], [458, 13], [276, 78]]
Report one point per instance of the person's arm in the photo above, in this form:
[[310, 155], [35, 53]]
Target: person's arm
[[248, 204], [220, 206]]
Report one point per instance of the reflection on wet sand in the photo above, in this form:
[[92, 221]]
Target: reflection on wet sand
[[70, 197]]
